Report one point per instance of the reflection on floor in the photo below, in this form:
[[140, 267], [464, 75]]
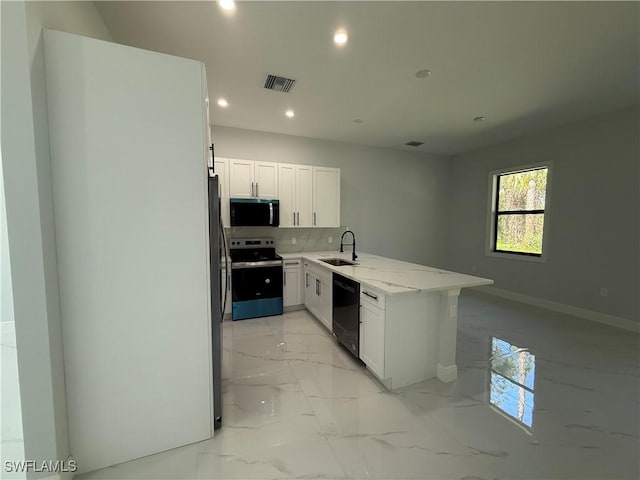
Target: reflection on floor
[[297, 406]]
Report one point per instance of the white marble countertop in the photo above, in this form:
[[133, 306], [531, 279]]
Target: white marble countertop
[[391, 276]]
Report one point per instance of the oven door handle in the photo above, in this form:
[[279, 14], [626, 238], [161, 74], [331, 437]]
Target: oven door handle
[[266, 263]]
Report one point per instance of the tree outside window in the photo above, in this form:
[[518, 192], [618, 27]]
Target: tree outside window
[[519, 210]]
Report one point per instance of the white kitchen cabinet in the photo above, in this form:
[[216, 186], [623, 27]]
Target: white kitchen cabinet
[[318, 293], [287, 194], [304, 196], [266, 179], [241, 181], [309, 293], [326, 197], [372, 331], [221, 167], [295, 192], [249, 179], [292, 283]]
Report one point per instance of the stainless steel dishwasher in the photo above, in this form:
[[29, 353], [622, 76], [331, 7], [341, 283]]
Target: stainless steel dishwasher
[[346, 313]]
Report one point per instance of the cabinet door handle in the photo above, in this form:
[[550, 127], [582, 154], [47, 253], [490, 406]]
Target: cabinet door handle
[[291, 263], [257, 194], [370, 295], [284, 279], [306, 279], [252, 190], [314, 218], [294, 218]]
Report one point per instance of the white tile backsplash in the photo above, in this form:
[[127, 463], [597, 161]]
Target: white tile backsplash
[[306, 239]]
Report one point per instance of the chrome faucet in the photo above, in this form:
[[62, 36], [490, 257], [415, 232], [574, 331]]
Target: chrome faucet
[[353, 253]]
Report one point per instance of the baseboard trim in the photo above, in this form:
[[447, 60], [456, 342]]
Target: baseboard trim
[[294, 308], [611, 320], [447, 373]]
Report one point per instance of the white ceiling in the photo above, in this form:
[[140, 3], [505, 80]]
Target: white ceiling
[[523, 65]]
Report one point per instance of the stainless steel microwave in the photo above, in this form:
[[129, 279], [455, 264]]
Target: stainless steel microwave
[[254, 212]]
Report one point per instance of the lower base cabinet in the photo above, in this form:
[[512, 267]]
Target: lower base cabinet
[[399, 335], [318, 293], [372, 323], [292, 283]]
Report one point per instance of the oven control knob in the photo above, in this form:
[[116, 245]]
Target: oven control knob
[[267, 280]]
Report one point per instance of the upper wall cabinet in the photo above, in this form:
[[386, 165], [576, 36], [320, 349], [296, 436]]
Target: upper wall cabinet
[[221, 167], [326, 197], [249, 179], [295, 195]]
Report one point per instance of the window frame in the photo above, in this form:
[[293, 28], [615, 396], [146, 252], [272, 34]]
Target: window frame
[[492, 214]]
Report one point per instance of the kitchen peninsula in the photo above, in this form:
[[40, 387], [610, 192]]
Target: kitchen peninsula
[[408, 313]]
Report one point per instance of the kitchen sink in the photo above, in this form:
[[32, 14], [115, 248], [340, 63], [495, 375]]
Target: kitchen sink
[[337, 262]]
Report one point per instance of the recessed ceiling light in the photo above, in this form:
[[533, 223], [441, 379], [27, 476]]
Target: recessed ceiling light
[[479, 119], [423, 73], [290, 113], [227, 4], [340, 38], [358, 120], [223, 103]]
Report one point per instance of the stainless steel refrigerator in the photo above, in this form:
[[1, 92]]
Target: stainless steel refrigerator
[[217, 251]]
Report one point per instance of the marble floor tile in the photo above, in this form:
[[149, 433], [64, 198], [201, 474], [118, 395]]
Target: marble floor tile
[[11, 436], [267, 397], [247, 355], [176, 464], [539, 395], [288, 448]]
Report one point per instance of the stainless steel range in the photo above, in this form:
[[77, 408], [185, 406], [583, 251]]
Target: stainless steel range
[[256, 278]]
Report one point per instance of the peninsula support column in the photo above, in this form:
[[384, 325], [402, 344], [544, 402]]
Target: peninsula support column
[[447, 369]]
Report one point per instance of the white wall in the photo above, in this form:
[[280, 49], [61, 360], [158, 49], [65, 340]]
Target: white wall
[[25, 145], [594, 216], [392, 199]]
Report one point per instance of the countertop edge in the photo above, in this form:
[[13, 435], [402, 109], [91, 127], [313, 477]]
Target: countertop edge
[[309, 256]]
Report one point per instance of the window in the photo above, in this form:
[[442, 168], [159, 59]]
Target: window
[[518, 211]]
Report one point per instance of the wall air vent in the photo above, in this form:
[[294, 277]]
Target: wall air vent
[[279, 84], [413, 143]]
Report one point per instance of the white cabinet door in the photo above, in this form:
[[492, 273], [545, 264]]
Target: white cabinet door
[[325, 303], [372, 337], [241, 181], [266, 180], [304, 195], [292, 293], [326, 197], [221, 167], [287, 194], [310, 297]]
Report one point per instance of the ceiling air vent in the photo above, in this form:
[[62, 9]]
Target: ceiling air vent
[[413, 143], [279, 84]]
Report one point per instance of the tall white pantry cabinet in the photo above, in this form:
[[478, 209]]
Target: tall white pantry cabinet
[[128, 133]]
